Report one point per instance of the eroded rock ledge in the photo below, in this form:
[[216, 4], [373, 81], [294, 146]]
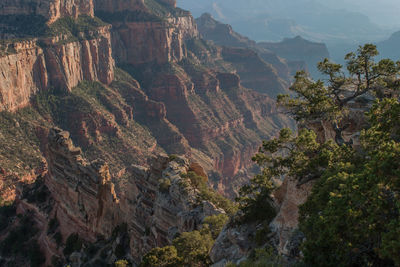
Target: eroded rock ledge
[[87, 201]]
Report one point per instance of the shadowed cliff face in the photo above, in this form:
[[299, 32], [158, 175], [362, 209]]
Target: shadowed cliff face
[[192, 92], [286, 57], [299, 49], [171, 92], [133, 210]]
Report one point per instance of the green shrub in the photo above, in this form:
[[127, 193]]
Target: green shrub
[[164, 185], [215, 223], [24, 26], [162, 257], [121, 263], [194, 247], [261, 258]]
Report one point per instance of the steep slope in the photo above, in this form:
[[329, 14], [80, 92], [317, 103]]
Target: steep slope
[[54, 59], [173, 93], [273, 20], [171, 64], [389, 48], [223, 34], [299, 49]]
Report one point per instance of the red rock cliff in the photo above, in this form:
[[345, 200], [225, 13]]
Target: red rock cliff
[[50, 9], [62, 65]]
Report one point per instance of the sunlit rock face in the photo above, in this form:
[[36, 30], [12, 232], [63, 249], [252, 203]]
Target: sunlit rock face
[[87, 203], [50, 9], [30, 68]]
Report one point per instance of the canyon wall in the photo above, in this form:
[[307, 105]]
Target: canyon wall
[[54, 64], [88, 202], [51, 10]]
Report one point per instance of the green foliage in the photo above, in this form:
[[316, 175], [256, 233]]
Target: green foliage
[[196, 180], [121, 263], [207, 194], [352, 216], [164, 185], [84, 27], [19, 129], [314, 100], [162, 257], [163, 10], [215, 223], [261, 258], [128, 16], [300, 157], [173, 157], [24, 25], [36, 256], [194, 248], [33, 26], [189, 248]]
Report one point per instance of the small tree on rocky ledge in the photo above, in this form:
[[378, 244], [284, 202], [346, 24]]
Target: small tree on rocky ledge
[[352, 215], [317, 101]]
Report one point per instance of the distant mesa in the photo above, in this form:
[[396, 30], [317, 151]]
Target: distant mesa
[[287, 56]]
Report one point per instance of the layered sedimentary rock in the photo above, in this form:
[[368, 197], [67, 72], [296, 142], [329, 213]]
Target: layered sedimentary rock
[[254, 72], [223, 34], [84, 193], [87, 202], [51, 10], [236, 242], [140, 36], [299, 49], [58, 64]]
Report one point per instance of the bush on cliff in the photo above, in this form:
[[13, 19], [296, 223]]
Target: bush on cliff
[[208, 194], [352, 216], [189, 248]]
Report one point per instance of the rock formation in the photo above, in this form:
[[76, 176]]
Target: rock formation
[[32, 68], [171, 92], [299, 49], [223, 34], [88, 203], [51, 10], [149, 39]]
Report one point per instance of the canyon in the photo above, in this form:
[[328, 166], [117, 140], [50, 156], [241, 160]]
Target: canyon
[[92, 106]]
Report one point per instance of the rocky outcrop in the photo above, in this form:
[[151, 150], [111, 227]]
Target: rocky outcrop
[[171, 3], [289, 197], [141, 36], [154, 202], [388, 48], [57, 64], [254, 72], [23, 74], [51, 10], [134, 45], [84, 194], [233, 244], [223, 34], [299, 49]]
